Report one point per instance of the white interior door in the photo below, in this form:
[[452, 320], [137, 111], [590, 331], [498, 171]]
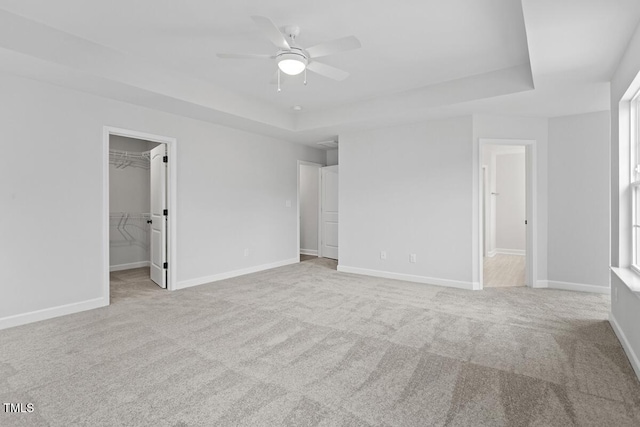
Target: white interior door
[[158, 218], [329, 212]]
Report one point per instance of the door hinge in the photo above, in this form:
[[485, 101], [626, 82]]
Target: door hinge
[[165, 212], [165, 265], [525, 222], [165, 159]]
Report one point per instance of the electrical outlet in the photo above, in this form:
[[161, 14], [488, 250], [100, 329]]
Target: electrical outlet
[[246, 252], [383, 255], [288, 203], [412, 258]]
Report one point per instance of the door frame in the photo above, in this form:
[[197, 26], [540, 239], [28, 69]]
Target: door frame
[[172, 218], [318, 166], [484, 199], [531, 166]]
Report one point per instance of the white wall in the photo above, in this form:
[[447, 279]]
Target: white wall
[[309, 201], [129, 192], [509, 127], [624, 318], [510, 177], [332, 157], [579, 199], [625, 311], [232, 193], [404, 190]]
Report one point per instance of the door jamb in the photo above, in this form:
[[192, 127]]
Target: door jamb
[[532, 211], [483, 207], [172, 186], [319, 166]]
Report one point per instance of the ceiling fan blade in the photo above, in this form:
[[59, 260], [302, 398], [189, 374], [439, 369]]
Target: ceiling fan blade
[[271, 31], [244, 56], [335, 46], [327, 71]]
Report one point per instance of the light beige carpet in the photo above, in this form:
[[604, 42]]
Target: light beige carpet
[[305, 345], [504, 271]]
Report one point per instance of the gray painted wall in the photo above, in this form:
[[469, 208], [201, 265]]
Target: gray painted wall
[[579, 199]]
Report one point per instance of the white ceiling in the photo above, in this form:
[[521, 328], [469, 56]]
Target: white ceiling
[[419, 58]]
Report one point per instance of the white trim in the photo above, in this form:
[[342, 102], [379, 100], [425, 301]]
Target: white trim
[[129, 266], [491, 253], [531, 251], [568, 286], [520, 252], [230, 274], [319, 166], [308, 252], [626, 148], [172, 203], [48, 313], [629, 277], [541, 284], [484, 199], [409, 277], [634, 158], [628, 349]]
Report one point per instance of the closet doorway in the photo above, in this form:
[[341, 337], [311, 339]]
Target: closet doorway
[[138, 196]]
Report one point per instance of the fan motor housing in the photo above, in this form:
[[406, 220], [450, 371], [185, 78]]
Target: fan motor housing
[[295, 53]]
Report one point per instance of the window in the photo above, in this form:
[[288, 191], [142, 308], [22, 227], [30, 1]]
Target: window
[[634, 128]]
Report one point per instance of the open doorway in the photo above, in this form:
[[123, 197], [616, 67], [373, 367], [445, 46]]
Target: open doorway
[[138, 200], [507, 212], [505, 216], [318, 215], [308, 210]]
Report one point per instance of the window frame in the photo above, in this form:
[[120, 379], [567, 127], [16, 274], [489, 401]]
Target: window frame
[[634, 178]]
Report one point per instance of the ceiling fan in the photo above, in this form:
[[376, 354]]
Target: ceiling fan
[[293, 59]]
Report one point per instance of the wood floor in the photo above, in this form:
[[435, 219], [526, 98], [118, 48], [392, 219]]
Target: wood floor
[[304, 257], [504, 271]]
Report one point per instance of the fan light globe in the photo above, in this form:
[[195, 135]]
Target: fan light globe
[[292, 63]]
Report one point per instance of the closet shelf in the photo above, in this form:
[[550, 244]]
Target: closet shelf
[[122, 159], [132, 228], [129, 215]]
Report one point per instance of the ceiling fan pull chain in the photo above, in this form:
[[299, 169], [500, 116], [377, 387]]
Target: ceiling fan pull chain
[[305, 76], [279, 80]]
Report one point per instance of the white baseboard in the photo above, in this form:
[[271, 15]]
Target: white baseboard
[[129, 266], [542, 284], [631, 355], [48, 313], [491, 253], [309, 252], [568, 286], [228, 275], [409, 277], [520, 252]]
